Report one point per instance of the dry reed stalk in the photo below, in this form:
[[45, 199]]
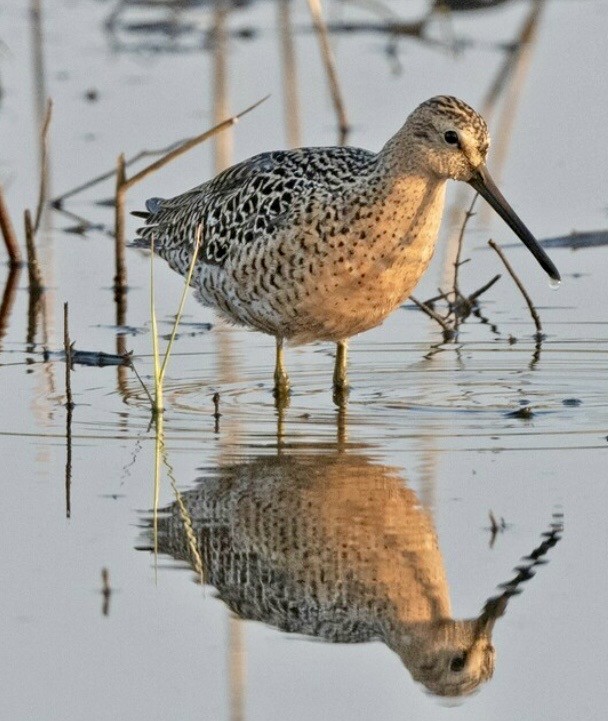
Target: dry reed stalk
[[330, 67], [57, 202], [168, 153], [432, 314], [123, 184], [67, 347], [457, 262], [33, 268], [223, 145], [486, 286], [8, 298], [188, 145], [44, 169], [290, 77], [120, 266], [520, 285], [8, 233]]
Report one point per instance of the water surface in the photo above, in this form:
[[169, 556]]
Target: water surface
[[331, 544]]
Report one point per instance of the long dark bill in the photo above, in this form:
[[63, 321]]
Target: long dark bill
[[485, 186]]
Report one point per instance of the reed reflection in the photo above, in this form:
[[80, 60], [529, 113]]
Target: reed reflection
[[337, 547]]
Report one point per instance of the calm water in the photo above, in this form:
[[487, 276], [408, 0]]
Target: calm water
[[348, 565]]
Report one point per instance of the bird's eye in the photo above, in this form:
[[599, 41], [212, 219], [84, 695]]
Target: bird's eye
[[458, 663], [451, 137]]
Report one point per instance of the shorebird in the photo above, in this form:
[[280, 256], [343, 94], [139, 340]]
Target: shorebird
[[319, 244]]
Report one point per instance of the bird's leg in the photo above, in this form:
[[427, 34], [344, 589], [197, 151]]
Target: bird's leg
[[281, 379], [340, 379]]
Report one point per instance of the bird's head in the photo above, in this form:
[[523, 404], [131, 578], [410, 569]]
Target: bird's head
[[450, 138]]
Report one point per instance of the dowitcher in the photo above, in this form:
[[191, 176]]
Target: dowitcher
[[323, 243]]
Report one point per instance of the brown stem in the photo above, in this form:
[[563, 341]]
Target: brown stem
[[8, 298], [120, 266], [330, 67], [8, 233], [58, 201], [169, 153], [67, 347], [34, 273], [290, 77], [457, 263], [519, 284], [44, 170], [431, 313], [188, 145], [473, 297]]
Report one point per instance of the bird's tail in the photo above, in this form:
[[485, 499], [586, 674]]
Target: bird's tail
[[144, 233]]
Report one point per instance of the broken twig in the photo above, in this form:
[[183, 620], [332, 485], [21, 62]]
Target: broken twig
[[8, 233], [457, 262], [188, 145], [519, 284], [447, 328]]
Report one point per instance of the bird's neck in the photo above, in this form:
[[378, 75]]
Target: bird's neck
[[402, 158]]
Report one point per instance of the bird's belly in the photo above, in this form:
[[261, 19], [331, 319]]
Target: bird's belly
[[338, 310], [319, 306], [363, 291]]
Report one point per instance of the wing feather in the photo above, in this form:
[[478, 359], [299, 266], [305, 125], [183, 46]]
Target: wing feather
[[255, 198]]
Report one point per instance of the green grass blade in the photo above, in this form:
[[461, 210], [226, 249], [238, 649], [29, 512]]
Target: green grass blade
[[182, 303]]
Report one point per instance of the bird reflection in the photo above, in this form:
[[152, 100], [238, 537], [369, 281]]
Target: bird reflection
[[337, 547]]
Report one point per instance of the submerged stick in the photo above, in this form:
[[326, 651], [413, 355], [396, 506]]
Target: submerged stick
[[8, 233], [519, 284], [330, 66]]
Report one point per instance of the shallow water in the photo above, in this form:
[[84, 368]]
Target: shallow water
[[345, 526]]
